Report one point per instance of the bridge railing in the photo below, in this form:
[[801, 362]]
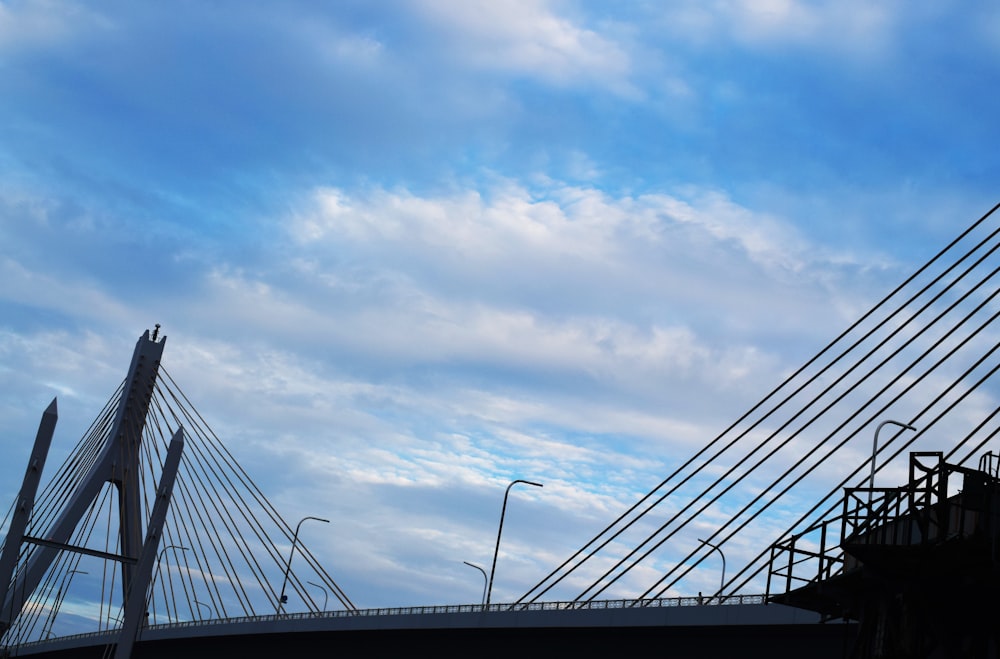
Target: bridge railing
[[728, 600], [480, 608], [807, 557]]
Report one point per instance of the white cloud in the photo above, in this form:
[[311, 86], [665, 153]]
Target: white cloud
[[386, 287], [856, 24], [350, 377], [336, 45], [660, 386], [56, 293], [529, 38], [846, 28], [580, 223], [44, 23]]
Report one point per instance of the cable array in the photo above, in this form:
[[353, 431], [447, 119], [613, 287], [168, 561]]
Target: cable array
[[225, 550], [925, 353]]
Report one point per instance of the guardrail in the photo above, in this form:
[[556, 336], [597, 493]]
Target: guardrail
[[726, 600], [479, 608]]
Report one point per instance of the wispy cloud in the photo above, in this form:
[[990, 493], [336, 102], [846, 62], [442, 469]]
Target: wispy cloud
[[529, 39], [32, 26], [848, 28]]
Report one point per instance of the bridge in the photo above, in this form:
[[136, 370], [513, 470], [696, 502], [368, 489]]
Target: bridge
[[684, 624], [153, 513]]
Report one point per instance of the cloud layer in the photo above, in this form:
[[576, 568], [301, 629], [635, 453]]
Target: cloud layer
[[404, 255]]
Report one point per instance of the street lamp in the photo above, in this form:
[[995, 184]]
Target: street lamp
[[325, 596], [722, 581], [489, 588], [160, 556], [60, 595], [210, 610], [282, 599], [871, 480], [484, 578]]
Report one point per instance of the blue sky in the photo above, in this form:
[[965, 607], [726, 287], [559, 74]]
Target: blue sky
[[406, 252]]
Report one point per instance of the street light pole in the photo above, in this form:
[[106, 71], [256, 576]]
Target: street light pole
[[722, 581], [210, 611], [871, 479], [282, 598], [60, 595], [484, 578], [159, 556], [326, 597], [489, 587]]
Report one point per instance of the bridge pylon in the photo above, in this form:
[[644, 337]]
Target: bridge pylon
[[117, 463]]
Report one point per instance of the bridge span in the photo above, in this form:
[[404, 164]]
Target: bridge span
[[743, 625]]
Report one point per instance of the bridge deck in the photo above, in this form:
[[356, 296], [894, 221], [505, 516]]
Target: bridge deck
[[751, 629]]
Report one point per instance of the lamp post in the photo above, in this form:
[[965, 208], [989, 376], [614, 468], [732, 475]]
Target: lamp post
[[60, 595], [489, 587], [326, 597], [282, 598], [484, 578], [871, 480], [722, 581], [210, 611], [159, 556]]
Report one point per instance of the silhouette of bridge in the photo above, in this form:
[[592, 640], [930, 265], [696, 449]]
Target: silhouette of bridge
[[154, 513]]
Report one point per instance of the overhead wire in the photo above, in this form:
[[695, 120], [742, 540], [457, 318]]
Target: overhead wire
[[899, 376], [924, 428], [833, 493], [551, 579]]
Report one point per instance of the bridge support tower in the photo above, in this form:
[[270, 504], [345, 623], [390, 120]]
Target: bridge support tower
[[117, 463]]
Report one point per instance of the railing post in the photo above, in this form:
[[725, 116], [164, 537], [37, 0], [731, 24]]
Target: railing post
[[770, 571], [822, 550], [791, 562]]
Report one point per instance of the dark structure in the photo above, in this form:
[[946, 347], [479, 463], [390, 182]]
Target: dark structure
[[916, 566]]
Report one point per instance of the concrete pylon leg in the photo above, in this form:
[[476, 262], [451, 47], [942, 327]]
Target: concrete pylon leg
[[22, 511], [135, 603]]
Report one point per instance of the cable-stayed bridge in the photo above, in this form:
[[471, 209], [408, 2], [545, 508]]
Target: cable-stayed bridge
[[153, 513]]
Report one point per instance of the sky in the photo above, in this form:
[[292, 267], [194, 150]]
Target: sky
[[406, 252]]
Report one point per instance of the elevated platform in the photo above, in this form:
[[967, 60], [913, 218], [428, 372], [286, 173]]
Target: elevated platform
[[917, 568]]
